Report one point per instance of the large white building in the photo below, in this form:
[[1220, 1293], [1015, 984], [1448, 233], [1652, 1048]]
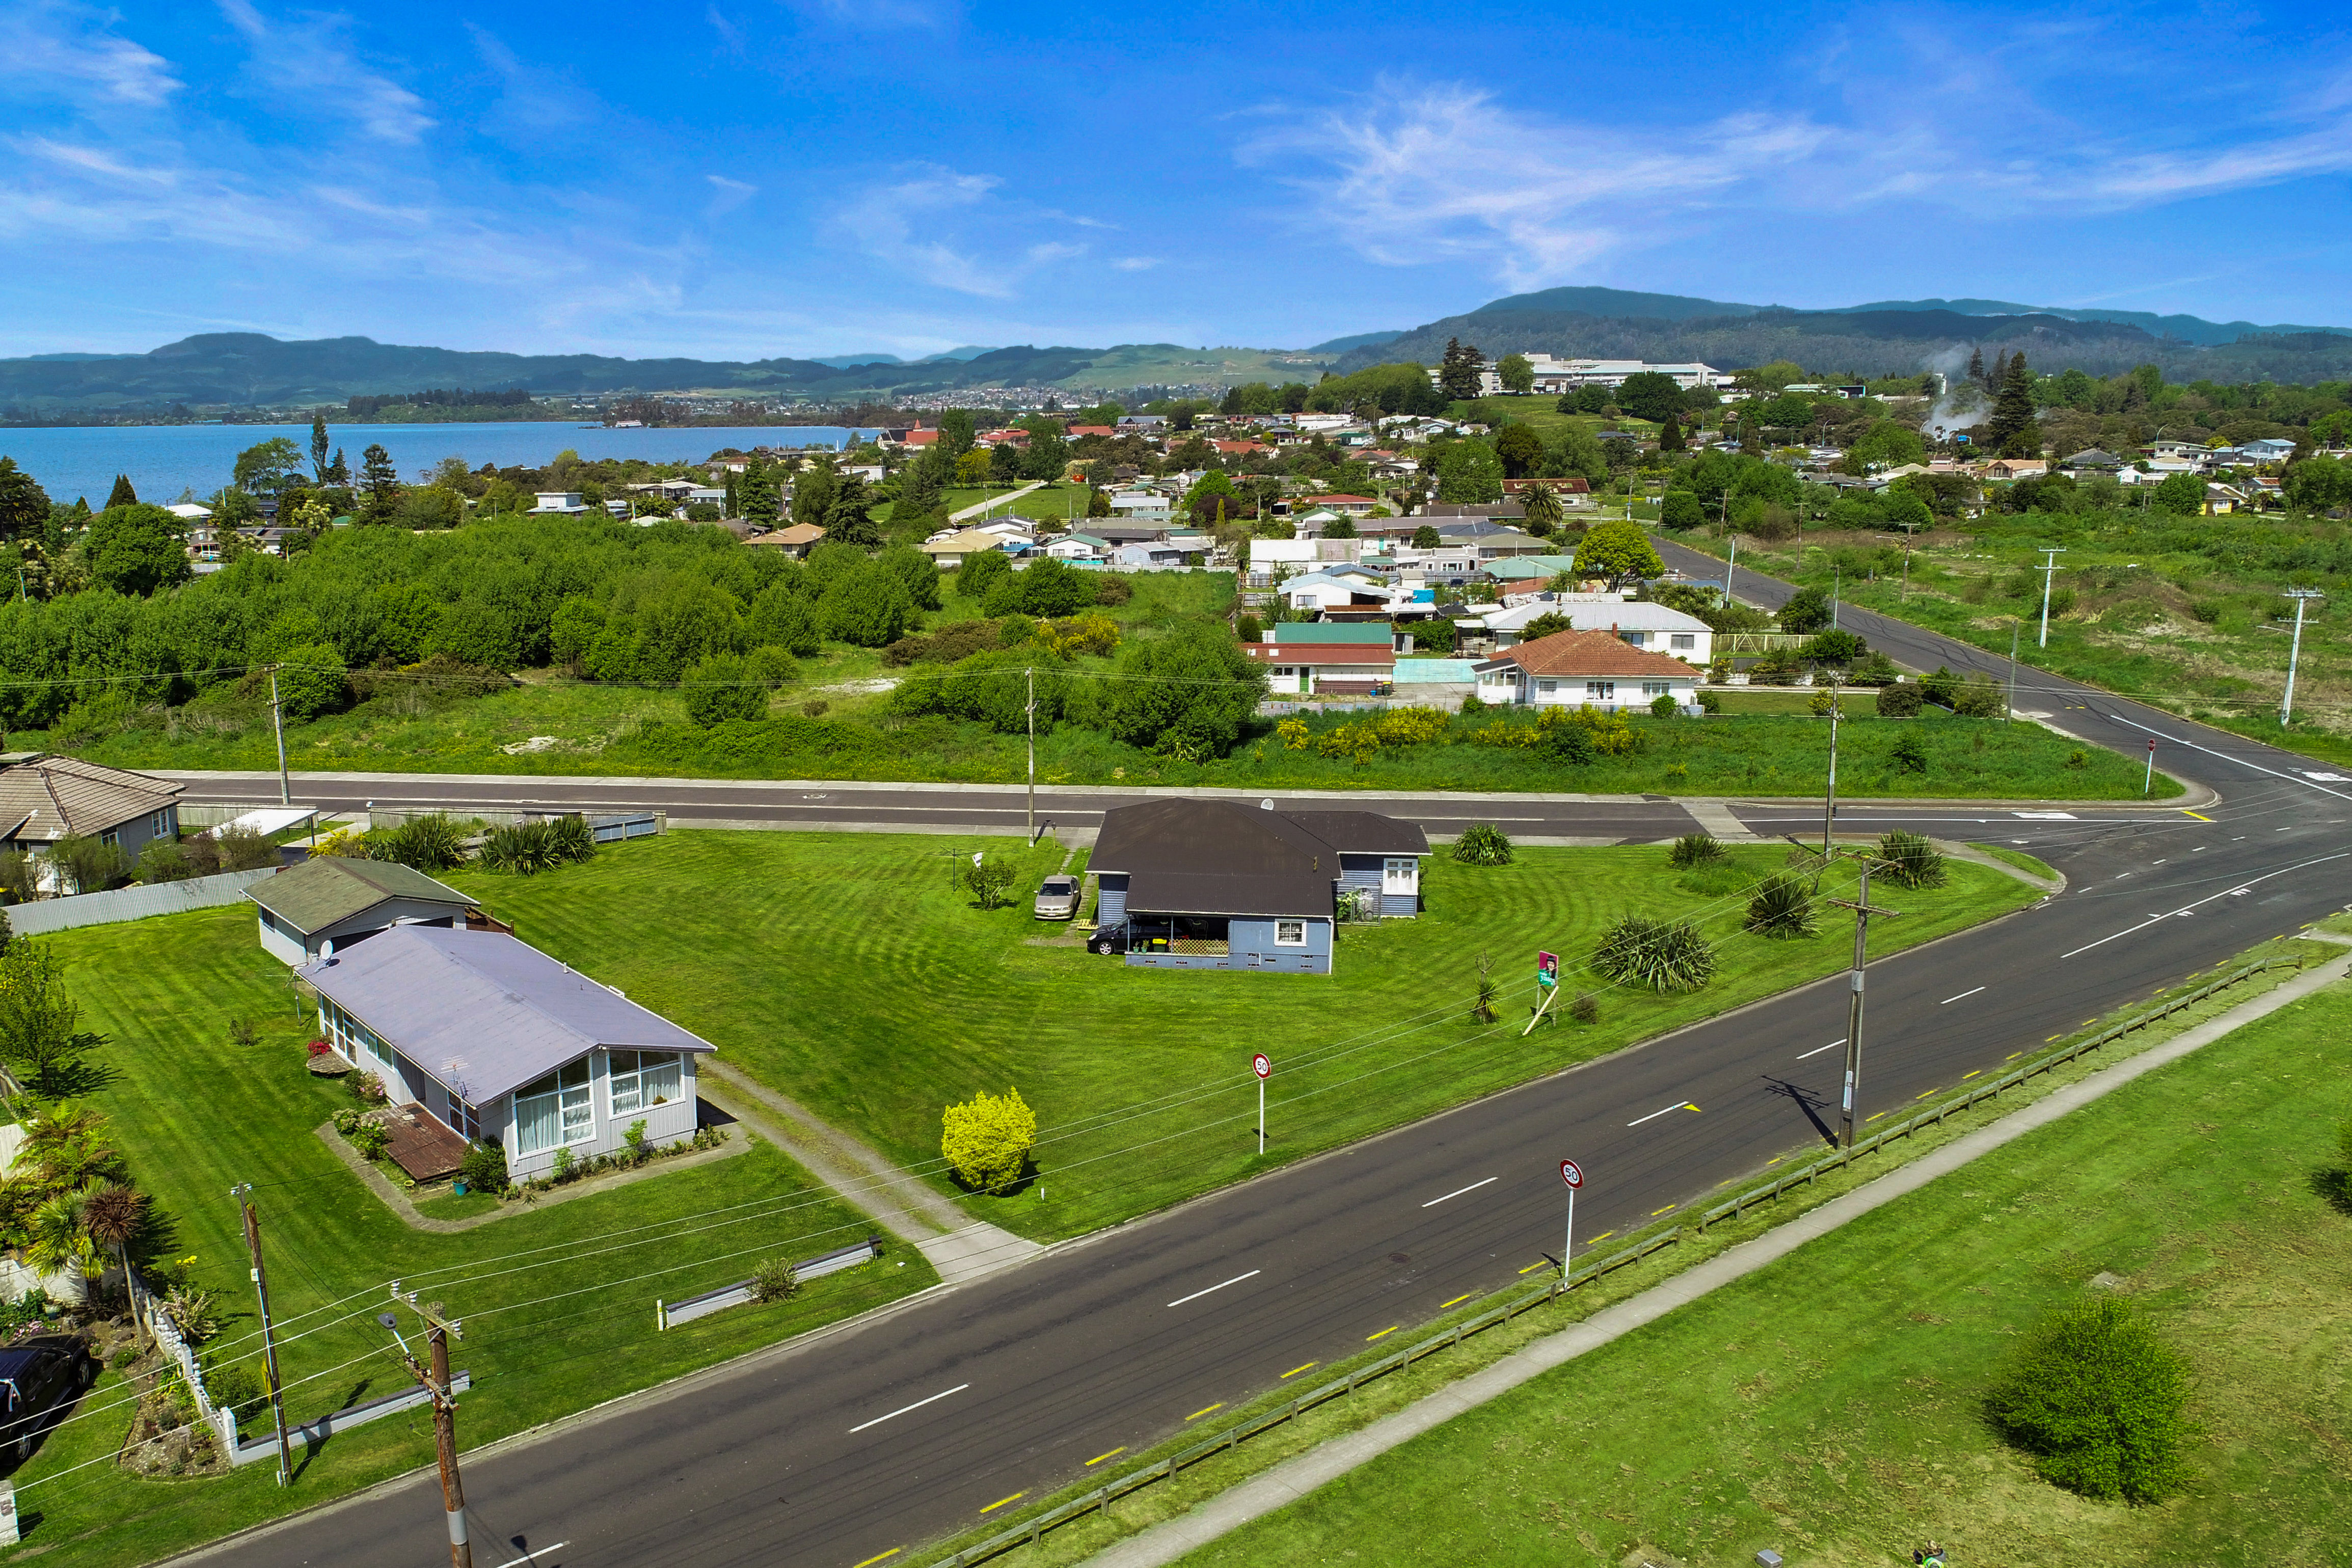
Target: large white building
[[1554, 376]]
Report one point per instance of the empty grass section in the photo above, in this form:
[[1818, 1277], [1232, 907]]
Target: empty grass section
[[848, 972]]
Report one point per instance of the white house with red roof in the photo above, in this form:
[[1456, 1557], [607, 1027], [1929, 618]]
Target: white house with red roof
[[1574, 669], [1309, 669]]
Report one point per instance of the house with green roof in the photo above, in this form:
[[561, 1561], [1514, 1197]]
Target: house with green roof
[[332, 899]]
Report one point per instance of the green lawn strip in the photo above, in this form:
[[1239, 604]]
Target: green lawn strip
[[547, 1333], [849, 974], [1860, 702], [2019, 859], [1639, 1393]]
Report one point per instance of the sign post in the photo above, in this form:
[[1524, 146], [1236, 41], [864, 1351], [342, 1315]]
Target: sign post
[[1570, 1174], [1547, 984], [1264, 1069], [2148, 783]]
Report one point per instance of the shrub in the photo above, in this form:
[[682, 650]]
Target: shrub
[[526, 848], [2099, 1400], [561, 1170], [815, 707], [1938, 687], [771, 666], [1483, 844], [1585, 1009], [1876, 670], [193, 1313], [1664, 706], [163, 860], [774, 1280], [1567, 743], [1910, 860], [1823, 702], [572, 838], [986, 1139], [1658, 955], [484, 1168], [1711, 702], [985, 878], [1836, 647], [313, 680], [367, 1088], [1112, 589], [635, 1139], [721, 687], [431, 843], [1980, 698], [1902, 701], [235, 1389], [1910, 753], [1695, 849], [1782, 907], [371, 1140], [347, 1120]]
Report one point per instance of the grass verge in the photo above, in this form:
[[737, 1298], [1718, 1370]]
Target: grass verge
[[1603, 1454]]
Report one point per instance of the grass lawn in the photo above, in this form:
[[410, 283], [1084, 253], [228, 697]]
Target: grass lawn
[[2201, 631], [1050, 501], [1829, 1406], [1860, 702], [845, 971], [558, 1302]]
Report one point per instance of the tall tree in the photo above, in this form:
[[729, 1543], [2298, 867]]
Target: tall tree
[[269, 466], [813, 489], [1518, 374], [1976, 365], [2011, 431], [318, 446], [1460, 374], [23, 505], [758, 494], [1670, 435], [121, 494], [957, 431], [379, 485], [339, 472]]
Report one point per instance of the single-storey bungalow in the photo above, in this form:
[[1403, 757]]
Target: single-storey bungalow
[[565, 501], [44, 798], [1077, 547], [794, 539], [1639, 623], [334, 899], [1216, 884], [1326, 669], [1586, 668], [482, 1039], [960, 546], [1154, 556]]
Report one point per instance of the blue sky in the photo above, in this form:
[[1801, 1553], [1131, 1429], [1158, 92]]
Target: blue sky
[[744, 178]]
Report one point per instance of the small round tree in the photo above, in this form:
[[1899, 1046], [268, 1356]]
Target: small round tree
[[721, 687], [2099, 1400], [987, 1139]]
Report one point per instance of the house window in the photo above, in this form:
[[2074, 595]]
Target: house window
[[1656, 689], [156, 825], [1600, 692], [112, 836], [1398, 874], [1637, 638], [1290, 934], [642, 1079], [554, 1110], [1547, 688], [1684, 641]]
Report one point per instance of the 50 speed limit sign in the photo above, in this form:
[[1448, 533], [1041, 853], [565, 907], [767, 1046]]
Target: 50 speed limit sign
[[1570, 1174]]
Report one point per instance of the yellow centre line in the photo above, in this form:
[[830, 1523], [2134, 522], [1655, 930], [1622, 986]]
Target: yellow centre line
[[883, 1558], [1295, 1371], [1966, 1075], [1458, 1300], [1591, 1240], [1220, 1404], [1000, 1502], [1098, 1458], [2199, 815], [1776, 1159], [1922, 1096], [1655, 1213], [1530, 1268], [1875, 1118], [1384, 1333]]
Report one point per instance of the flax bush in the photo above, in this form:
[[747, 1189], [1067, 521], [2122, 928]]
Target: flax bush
[[1655, 954]]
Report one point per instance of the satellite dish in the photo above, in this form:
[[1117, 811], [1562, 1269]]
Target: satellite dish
[[1266, 805]]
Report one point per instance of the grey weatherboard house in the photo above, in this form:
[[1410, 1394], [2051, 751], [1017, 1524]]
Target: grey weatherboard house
[[1216, 884], [501, 1044], [333, 899]]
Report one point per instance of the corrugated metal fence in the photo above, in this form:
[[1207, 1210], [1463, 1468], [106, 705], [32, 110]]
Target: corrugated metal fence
[[134, 903]]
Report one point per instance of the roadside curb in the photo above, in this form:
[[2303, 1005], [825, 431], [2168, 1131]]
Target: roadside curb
[[1297, 1477]]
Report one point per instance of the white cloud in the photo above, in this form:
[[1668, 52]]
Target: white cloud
[[62, 43], [311, 68], [1134, 263], [727, 195], [952, 230]]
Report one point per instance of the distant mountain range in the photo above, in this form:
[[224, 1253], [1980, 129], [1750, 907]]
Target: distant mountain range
[[1893, 337]]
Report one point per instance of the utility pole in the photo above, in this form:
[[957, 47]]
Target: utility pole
[[1828, 801], [243, 1195], [435, 1382], [1834, 589], [1731, 571], [2049, 571], [2009, 711], [1032, 711], [278, 723], [2300, 597], [1863, 910]]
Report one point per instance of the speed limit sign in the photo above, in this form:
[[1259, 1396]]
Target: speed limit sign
[[1260, 1066], [1570, 1173]]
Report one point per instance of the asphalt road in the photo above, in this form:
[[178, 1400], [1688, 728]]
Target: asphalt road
[[907, 1429]]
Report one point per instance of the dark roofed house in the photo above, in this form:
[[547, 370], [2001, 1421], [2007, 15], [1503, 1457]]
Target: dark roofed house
[[482, 1037], [1216, 884], [45, 798], [334, 899]]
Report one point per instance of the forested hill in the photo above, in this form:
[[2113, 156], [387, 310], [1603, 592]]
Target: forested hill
[[240, 368], [1606, 323]]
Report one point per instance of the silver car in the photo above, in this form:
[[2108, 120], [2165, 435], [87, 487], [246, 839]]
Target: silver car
[[1058, 897]]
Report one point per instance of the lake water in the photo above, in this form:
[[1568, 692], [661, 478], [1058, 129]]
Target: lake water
[[165, 460]]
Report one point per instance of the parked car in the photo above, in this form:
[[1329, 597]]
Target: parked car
[[38, 1376], [1108, 938], [1058, 897]]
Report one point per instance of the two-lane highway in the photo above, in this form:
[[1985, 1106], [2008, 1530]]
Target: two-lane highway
[[915, 1423]]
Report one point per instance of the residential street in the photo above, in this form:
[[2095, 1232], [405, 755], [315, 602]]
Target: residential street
[[907, 1429]]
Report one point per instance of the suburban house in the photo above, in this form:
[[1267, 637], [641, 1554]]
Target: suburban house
[[482, 1037], [1575, 669], [1342, 506], [1342, 588], [1326, 669], [1351, 634], [1077, 547], [960, 546], [1637, 623], [1155, 556], [44, 798], [794, 539], [565, 501], [1217, 884], [332, 899]]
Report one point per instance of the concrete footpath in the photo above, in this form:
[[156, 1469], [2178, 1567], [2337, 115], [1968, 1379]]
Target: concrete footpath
[[1294, 1479]]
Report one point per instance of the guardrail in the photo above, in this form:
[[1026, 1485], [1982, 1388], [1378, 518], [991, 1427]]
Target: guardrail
[[668, 1315], [1162, 1469], [1806, 1175], [1265, 1420]]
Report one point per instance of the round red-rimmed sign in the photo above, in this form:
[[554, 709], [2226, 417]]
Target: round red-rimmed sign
[[1570, 1174], [1260, 1066]]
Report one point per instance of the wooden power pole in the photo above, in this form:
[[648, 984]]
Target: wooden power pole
[[1863, 910], [435, 1380], [242, 1193]]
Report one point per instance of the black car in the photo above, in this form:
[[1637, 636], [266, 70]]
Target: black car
[[1108, 938], [38, 1376]]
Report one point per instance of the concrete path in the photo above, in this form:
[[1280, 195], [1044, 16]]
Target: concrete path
[[1718, 822], [587, 1187], [959, 1247], [1007, 498], [1294, 1479]]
